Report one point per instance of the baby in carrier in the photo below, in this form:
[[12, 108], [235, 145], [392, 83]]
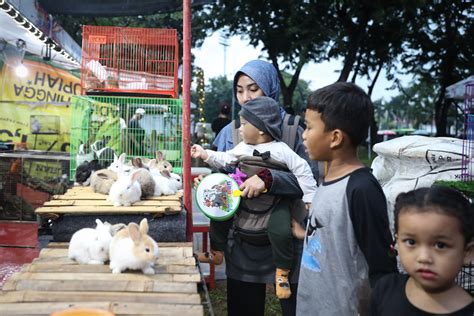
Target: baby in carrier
[[260, 122]]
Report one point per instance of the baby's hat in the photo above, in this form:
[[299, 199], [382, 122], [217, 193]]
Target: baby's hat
[[264, 114]]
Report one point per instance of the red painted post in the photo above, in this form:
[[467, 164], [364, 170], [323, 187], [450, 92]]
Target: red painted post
[[187, 118]]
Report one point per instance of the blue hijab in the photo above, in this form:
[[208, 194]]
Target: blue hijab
[[266, 77]]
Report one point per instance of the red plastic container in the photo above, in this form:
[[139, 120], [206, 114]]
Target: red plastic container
[[129, 60]]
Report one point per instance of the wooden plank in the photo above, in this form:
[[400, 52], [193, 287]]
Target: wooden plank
[[162, 260], [90, 268], [75, 296], [60, 203], [162, 277], [118, 308], [55, 244], [141, 286], [168, 252], [108, 209]]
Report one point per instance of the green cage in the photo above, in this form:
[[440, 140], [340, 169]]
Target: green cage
[[103, 125]]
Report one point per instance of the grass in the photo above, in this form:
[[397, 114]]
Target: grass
[[218, 298]]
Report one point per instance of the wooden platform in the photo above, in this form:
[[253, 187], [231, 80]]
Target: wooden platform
[[82, 200], [52, 282]]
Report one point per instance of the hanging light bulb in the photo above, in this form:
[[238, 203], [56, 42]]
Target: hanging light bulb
[[21, 71]]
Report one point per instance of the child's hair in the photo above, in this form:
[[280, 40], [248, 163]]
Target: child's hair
[[344, 106], [438, 199]]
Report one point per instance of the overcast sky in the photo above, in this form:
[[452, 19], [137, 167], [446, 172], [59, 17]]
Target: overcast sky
[[210, 57]]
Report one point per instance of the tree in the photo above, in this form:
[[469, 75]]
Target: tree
[[440, 49], [291, 32]]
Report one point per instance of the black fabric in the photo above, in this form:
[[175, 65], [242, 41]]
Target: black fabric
[[368, 212], [246, 298], [219, 123], [389, 299], [114, 7], [138, 133]]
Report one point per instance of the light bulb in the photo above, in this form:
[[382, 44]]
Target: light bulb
[[21, 71]]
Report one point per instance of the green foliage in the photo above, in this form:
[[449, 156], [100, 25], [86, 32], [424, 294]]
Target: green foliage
[[465, 187], [439, 49]]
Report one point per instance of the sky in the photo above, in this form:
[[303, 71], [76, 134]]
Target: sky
[[210, 57]]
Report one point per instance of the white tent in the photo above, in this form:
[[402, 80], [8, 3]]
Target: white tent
[[457, 90]]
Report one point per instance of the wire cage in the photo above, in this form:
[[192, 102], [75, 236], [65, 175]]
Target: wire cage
[[467, 172], [28, 179], [129, 60], [102, 126]]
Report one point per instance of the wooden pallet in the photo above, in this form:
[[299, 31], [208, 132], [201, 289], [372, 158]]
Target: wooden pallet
[[82, 200], [52, 282]]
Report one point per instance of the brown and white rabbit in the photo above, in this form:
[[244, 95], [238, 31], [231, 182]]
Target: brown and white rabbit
[[161, 163], [145, 179], [132, 248], [102, 180]]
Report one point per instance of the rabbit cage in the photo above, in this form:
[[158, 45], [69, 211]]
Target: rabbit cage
[[102, 126], [129, 60]]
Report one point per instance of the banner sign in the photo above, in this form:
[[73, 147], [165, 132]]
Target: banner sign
[[35, 109]]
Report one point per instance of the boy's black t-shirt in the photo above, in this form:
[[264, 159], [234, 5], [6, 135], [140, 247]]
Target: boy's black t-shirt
[[389, 299]]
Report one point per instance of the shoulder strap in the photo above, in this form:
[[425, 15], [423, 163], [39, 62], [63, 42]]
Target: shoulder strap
[[235, 133], [290, 129]]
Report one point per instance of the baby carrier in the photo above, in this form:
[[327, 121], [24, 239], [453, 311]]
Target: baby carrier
[[251, 219]]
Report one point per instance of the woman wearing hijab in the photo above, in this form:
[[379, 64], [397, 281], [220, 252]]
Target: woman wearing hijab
[[248, 267]]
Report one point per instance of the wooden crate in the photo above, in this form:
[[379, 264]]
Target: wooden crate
[[82, 200], [52, 282]]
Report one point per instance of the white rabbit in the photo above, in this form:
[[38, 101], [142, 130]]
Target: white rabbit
[[126, 190], [132, 248], [84, 153], [91, 246], [165, 183], [119, 166]]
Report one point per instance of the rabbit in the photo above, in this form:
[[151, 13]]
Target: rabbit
[[126, 190], [119, 166], [147, 184], [84, 171], [102, 180], [166, 183], [132, 248], [91, 246], [161, 163], [84, 154]]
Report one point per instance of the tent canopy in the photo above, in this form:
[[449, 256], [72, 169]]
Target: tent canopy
[[115, 7], [457, 90]]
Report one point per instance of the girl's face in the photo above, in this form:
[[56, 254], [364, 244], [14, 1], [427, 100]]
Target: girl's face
[[249, 133], [247, 89], [431, 247], [315, 139]]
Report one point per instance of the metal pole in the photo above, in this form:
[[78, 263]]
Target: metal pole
[[187, 118]]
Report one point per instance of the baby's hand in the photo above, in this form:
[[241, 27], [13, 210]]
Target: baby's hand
[[297, 229], [198, 152]]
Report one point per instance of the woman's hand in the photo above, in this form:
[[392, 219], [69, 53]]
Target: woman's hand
[[198, 180], [252, 187], [297, 229]]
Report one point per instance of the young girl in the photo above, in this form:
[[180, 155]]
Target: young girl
[[434, 231]]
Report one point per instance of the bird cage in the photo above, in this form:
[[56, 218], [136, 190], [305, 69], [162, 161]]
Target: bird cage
[[468, 142], [102, 126], [129, 60]]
